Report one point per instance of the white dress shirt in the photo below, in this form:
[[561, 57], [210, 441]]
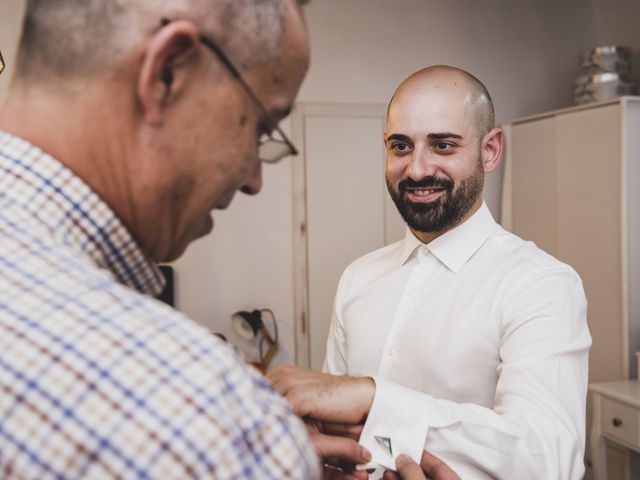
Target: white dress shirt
[[478, 344]]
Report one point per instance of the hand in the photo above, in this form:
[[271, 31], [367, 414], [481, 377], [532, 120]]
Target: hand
[[337, 445], [338, 474], [324, 397], [333, 408], [431, 467], [339, 465]]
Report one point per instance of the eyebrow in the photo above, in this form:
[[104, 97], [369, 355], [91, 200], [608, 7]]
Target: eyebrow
[[399, 136], [431, 136], [442, 136]]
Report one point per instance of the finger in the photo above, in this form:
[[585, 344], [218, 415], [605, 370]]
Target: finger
[[359, 475], [278, 374], [343, 429], [346, 449], [389, 475], [338, 475], [332, 472], [354, 474], [436, 468], [408, 469]]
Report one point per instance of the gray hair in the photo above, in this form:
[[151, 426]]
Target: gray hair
[[69, 38]]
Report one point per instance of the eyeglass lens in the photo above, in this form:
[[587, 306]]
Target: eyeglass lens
[[271, 150]]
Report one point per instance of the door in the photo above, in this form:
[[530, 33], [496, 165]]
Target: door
[[342, 210]]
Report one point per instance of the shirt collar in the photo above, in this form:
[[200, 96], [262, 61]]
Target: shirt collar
[[455, 247], [64, 205]]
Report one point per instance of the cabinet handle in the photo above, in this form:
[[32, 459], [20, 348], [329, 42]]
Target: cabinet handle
[[616, 422]]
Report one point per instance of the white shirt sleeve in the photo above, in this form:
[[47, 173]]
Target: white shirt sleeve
[[537, 426], [335, 361]]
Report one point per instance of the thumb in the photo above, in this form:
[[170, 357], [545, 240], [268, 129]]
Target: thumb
[[408, 469], [436, 468]]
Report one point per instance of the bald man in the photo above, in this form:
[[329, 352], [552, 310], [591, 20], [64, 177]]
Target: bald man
[[126, 125], [462, 339]]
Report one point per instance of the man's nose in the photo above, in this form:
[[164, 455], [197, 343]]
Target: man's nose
[[253, 184], [423, 164]]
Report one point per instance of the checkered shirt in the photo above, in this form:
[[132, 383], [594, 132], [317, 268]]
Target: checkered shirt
[[98, 380]]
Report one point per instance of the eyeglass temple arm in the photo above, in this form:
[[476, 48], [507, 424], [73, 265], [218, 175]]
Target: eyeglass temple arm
[[236, 73]]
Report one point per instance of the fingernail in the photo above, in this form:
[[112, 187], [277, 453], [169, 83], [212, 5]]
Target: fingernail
[[402, 459], [366, 454]]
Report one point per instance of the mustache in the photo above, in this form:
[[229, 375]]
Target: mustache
[[425, 183]]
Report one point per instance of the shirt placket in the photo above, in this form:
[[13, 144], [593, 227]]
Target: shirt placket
[[409, 300]]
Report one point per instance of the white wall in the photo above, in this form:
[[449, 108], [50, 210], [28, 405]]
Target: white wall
[[526, 52], [617, 22]]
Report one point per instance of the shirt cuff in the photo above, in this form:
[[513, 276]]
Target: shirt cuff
[[397, 423]]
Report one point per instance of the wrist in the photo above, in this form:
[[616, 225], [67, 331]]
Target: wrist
[[367, 388]]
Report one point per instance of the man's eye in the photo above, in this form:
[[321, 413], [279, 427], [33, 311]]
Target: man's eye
[[443, 146], [400, 147]]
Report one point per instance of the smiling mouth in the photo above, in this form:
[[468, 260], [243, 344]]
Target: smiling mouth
[[425, 192], [421, 195]]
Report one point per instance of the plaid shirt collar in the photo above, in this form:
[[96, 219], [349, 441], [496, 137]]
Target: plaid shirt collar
[[74, 215]]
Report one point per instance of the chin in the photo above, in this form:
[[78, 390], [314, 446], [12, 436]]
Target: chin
[[171, 252], [172, 256], [168, 252]]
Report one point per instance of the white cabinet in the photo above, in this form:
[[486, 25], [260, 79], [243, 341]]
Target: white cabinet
[[572, 185], [616, 418]]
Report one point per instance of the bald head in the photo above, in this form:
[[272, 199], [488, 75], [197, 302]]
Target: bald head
[[452, 85], [65, 39]]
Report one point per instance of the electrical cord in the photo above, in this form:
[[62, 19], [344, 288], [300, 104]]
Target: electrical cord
[[275, 333]]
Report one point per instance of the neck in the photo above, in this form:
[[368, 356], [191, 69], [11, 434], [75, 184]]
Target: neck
[[78, 130], [428, 237]]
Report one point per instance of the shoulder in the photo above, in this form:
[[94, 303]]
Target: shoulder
[[524, 257], [529, 274], [375, 263]]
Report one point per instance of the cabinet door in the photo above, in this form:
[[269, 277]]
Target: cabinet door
[[534, 182], [566, 197], [589, 225]]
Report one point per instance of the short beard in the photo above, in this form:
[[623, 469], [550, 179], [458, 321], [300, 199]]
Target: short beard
[[445, 212]]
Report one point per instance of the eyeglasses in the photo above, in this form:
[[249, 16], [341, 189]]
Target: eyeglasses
[[270, 150], [1, 63]]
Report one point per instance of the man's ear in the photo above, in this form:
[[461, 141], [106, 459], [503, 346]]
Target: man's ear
[[165, 67], [491, 149]]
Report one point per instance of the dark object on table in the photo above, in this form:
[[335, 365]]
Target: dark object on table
[[167, 294]]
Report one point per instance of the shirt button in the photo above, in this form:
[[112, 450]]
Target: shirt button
[[412, 293], [391, 352]]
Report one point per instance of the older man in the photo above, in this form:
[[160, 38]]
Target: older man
[[126, 125], [462, 339]]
